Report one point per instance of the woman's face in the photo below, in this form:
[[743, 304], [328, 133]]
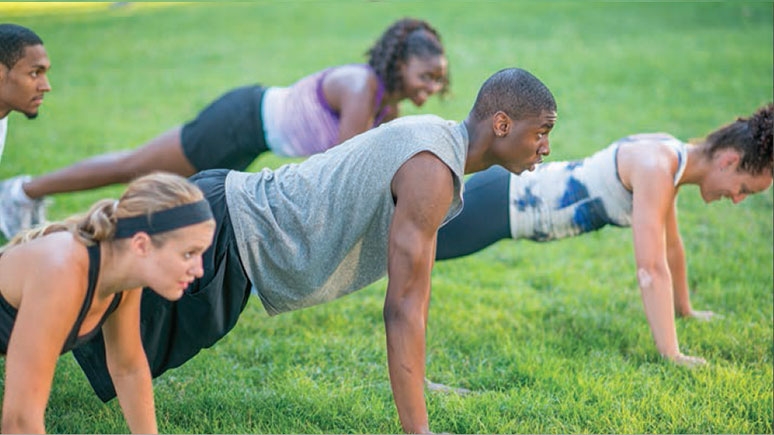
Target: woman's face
[[423, 77], [726, 180], [178, 261]]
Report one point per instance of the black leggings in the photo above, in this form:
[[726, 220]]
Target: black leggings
[[484, 218]]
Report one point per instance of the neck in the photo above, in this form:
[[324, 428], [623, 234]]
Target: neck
[[392, 99], [697, 165], [477, 146], [115, 273]]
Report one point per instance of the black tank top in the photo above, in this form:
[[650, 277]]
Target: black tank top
[[8, 312]]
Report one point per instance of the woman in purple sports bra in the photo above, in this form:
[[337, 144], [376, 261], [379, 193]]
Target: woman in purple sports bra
[[63, 283], [310, 116]]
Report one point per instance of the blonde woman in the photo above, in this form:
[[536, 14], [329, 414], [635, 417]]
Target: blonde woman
[[63, 283]]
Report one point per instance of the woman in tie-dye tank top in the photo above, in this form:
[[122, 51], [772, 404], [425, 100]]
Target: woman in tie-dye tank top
[[633, 182]]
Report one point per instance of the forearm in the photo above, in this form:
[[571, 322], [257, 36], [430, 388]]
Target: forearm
[[656, 290], [678, 271], [406, 361], [135, 395]]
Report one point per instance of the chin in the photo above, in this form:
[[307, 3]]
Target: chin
[[709, 200], [175, 296]]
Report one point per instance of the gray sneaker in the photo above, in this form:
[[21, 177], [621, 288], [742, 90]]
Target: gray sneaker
[[15, 215], [39, 206]]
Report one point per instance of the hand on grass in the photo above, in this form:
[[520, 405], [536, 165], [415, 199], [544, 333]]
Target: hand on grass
[[432, 386], [687, 360], [704, 315]]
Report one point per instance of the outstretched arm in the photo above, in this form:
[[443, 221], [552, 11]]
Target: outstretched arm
[[352, 91], [653, 206], [45, 317], [423, 189], [678, 269], [128, 364], [356, 114]]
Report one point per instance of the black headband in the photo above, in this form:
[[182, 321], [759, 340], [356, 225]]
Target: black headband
[[164, 220]]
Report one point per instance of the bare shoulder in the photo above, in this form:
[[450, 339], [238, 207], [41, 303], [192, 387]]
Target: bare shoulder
[[353, 71], [57, 257], [646, 156], [651, 137], [352, 78], [423, 173]]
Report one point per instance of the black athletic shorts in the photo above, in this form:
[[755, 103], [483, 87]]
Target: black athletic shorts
[[228, 133], [173, 332]]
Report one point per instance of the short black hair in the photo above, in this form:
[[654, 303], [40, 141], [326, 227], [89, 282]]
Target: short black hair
[[514, 91], [13, 40]]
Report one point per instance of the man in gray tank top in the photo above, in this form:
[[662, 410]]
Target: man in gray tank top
[[311, 232]]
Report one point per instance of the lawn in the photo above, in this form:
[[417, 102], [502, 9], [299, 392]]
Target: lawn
[[551, 338]]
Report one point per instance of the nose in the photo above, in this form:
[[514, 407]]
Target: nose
[[436, 86], [545, 149], [197, 270], [45, 85]]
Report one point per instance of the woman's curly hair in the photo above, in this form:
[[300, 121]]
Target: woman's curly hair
[[404, 38], [752, 137]]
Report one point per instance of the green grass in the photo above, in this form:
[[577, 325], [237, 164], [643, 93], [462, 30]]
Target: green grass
[[551, 337]]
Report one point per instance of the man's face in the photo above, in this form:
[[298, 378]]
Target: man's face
[[526, 143], [22, 87]]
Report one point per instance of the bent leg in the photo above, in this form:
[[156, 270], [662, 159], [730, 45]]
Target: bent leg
[[228, 133], [163, 153], [484, 218]]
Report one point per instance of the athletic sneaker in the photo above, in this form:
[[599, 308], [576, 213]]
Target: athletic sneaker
[[16, 214], [39, 206]]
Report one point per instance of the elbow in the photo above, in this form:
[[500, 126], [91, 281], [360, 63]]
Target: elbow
[[403, 312], [644, 277], [648, 275], [393, 312], [132, 367], [22, 422]]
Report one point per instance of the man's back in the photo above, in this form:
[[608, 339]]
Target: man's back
[[311, 232]]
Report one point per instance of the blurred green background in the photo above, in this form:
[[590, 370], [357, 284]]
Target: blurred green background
[[550, 337]]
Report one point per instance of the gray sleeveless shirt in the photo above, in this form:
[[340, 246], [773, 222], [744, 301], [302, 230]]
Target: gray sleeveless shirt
[[312, 232]]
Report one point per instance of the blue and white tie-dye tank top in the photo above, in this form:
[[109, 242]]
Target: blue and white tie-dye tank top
[[297, 119], [564, 199]]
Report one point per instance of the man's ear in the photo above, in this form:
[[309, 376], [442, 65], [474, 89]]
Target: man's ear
[[501, 123]]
